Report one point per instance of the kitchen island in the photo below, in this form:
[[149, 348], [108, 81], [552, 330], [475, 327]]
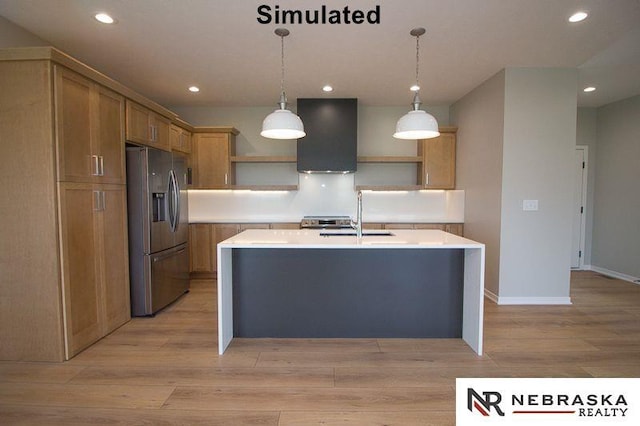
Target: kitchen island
[[306, 284]]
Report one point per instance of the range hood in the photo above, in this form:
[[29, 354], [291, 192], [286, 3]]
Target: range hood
[[331, 144]]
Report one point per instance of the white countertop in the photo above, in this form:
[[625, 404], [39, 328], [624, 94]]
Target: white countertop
[[311, 238]]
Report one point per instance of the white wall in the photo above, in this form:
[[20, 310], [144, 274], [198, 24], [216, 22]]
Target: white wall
[[616, 222], [538, 151], [480, 119], [516, 139], [12, 35], [586, 135]]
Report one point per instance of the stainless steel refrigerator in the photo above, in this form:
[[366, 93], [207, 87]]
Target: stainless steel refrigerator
[[158, 228]]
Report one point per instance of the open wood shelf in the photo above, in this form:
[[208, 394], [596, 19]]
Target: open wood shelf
[[263, 159], [389, 187], [253, 187], [389, 159]]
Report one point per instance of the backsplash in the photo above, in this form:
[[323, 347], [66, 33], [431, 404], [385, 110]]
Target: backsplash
[[321, 194]]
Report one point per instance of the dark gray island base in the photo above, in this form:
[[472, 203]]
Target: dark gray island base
[[300, 284], [346, 293]]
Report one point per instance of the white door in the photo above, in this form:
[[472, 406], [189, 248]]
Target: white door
[[579, 198]]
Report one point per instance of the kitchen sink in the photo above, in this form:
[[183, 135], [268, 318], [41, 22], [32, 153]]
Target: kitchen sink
[[353, 234]]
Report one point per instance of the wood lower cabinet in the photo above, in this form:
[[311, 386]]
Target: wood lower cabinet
[[453, 228], [146, 127], [203, 240], [63, 249], [95, 274]]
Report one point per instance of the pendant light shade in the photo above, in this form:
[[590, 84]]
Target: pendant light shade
[[282, 123], [417, 124]]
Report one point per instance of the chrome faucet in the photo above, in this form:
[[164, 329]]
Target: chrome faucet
[[357, 224]]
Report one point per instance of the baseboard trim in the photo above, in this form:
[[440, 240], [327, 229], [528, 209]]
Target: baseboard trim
[[490, 295], [526, 300], [613, 274]]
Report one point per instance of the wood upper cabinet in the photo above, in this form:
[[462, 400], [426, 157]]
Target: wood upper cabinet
[[89, 130], [146, 127], [211, 160], [95, 277], [438, 169], [180, 139]]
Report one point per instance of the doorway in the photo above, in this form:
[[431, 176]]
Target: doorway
[[579, 206]]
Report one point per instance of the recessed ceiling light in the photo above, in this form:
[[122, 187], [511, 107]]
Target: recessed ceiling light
[[589, 89], [194, 89], [327, 88], [414, 88], [578, 16], [104, 18]]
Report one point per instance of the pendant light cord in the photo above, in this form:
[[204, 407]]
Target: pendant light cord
[[282, 63], [417, 60], [283, 97]]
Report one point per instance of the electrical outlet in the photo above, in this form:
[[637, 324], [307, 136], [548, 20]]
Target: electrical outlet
[[530, 205]]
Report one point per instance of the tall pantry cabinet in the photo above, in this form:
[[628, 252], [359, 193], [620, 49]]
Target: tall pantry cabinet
[[63, 254]]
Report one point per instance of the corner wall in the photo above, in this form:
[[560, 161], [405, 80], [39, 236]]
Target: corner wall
[[616, 223], [539, 143], [480, 120]]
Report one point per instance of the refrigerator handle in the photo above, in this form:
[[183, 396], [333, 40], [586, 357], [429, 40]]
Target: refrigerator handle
[[177, 189], [172, 207], [168, 255]]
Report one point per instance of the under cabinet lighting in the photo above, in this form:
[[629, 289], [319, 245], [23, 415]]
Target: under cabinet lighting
[[194, 89], [589, 89], [104, 18], [327, 88]]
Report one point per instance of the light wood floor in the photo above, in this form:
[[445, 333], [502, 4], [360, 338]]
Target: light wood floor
[[165, 370]]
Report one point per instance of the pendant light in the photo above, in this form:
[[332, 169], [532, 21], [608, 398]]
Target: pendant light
[[417, 124], [282, 123]]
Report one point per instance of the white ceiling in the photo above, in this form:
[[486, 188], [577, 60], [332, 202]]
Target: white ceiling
[[160, 47]]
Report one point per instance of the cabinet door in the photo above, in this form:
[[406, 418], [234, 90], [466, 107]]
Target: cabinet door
[[221, 232], [201, 247], [80, 272], [212, 160], [112, 221], [76, 162], [455, 228], [180, 139], [109, 135], [186, 142], [175, 134], [439, 162], [161, 133], [138, 123]]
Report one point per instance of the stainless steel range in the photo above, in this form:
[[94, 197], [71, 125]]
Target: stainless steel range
[[325, 222]]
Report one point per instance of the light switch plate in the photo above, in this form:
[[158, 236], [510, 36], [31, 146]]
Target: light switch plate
[[530, 205]]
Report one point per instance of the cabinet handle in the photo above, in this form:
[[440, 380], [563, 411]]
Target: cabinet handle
[[96, 166], [226, 179], [427, 178], [98, 201], [104, 200], [101, 172]]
